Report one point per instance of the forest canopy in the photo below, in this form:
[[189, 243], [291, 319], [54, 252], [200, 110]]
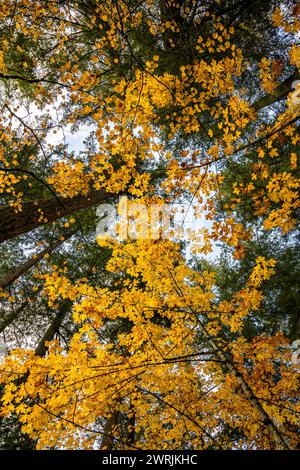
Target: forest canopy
[[149, 340]]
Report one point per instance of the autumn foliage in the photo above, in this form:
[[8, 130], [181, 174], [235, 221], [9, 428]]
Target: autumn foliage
[[147, 348]]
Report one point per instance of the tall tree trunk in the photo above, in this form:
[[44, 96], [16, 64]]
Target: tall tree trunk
[[108, 431], [13, 224], [41, 348], [170, 12], [12, 317], [52, 329], [280, 92], [14, 274], [131, 426]]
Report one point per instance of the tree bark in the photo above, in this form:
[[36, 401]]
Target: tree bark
[[131, 425], [12, 316], [52, 329], [14, 274], [280, 92], [13, 224], [108, 431]]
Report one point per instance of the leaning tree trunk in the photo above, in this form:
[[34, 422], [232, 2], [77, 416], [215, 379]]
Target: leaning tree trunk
[[37, 213], [14, 274], [9, 319], [280, 92], [52, 329], [131, 425], [108, 431]]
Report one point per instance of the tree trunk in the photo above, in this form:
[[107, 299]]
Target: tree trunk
[[131, 426], [108, 431], [14, 274], [280, 92], [13, 224], [11, 317], [52, 329]]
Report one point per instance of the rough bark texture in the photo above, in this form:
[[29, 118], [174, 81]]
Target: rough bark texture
[[131, 426], [280, 92], [108, 431], [52, 329], [13, 224], [14, 274], [12, 317]]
